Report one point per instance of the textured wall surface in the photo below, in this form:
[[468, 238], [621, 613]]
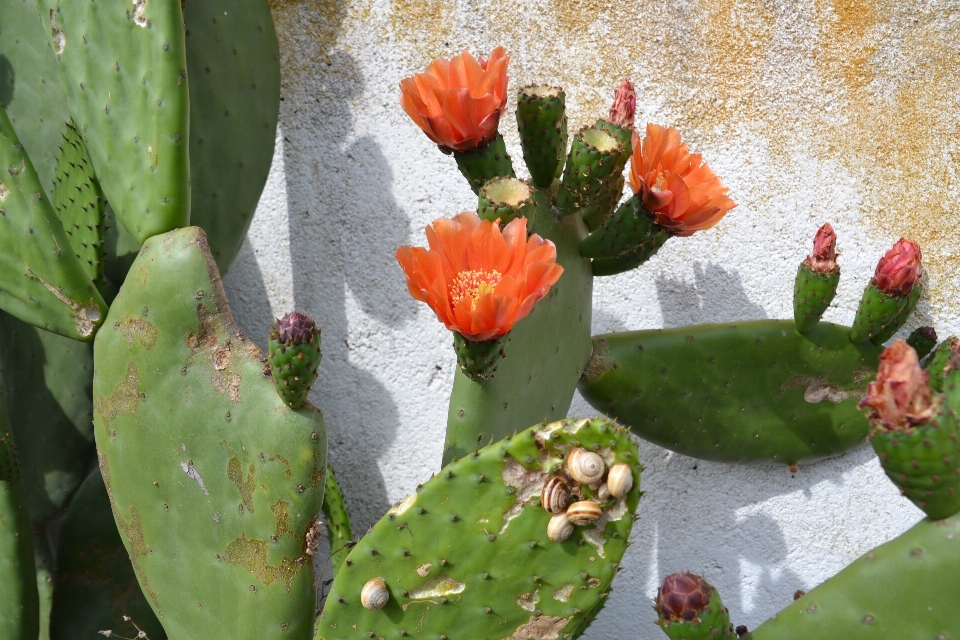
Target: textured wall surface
[[814, 110]]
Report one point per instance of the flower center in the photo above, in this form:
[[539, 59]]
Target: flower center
[[658, 184], [472, 285]]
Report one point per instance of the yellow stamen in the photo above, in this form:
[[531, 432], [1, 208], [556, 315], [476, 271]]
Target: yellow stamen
[[473, 285]]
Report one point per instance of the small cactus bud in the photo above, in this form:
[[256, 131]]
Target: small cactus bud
[[294, 355], [923, 340], [824, 257], [624, 106], [899, 269], [295, 327], [899, 398], [682, 596]]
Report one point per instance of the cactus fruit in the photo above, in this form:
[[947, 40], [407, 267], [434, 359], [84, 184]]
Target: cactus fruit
[[888, 292], [19, 602], [923, 340], [192, 436], [689, 608], [125, 73], [626, 239], [41, 280], [750, 392], [294, 355], [596, 158], [542, 123], [504, 199], [478, 360], [233, 70], [468, 554], [95, 584], [904, 589], [916, 432], [336, 519], [936, 364], [817, 280], [485, 163]]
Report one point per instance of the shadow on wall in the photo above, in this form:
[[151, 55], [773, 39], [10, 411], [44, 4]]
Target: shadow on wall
[[715, 295]]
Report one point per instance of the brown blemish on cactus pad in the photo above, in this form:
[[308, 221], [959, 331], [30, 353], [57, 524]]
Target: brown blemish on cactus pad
[[281, 511], [817, 389], [124, 400], [540, 628], [4, 192], [434, 589], [318, 474], [206, 348], [288, 470], [528, 485], [138, 329], [599, 362], [85, 315], [246, 488], [251, 554]]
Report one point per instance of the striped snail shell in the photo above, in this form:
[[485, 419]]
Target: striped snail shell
[[586, 467], [555, 495], [374, 594], [620, 480], [584, 512], [559, 528]]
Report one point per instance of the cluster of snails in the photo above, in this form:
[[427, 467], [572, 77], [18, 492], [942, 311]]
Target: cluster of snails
[[585, 468]]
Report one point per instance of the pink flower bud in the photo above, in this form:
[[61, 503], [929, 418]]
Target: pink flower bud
[[624, 105], [899, 269], [824, 258], [899, 398]]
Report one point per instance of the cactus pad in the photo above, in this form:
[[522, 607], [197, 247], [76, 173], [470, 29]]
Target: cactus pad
[[596, 159], [748, 392], [812, 293], [192, 436], [875, 312], [468, 555], [479, 360], [923, 340], [337, 520], [913, 298], [625, 240], [936, 365], [542, 123], [505, 199], [485, 163], [294, 355]]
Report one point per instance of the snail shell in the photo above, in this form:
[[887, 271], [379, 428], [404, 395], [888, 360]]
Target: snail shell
[[620, 480], [584, 512], [603, 492], [559, 528], [555, 495], [374, 594], [586, 467]]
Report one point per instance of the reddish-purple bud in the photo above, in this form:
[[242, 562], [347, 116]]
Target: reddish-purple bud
[[899, 269], [899, 398], [683, 596], [624, 105], [824, 257], [296, 327]]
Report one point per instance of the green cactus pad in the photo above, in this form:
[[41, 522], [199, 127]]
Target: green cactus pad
[[46, 382], [80, 205], [43, 561], [905, 589], [626, 239], [485, 163], [750, 392], [337, 520], [937, 363], [124, 69], [31, 91], [294, 362], [875, 312], [468, 556], [595, 160], [542, 123], [913, 298], [41, 280], [121, 250], [923, 340], [192, 436], [597, 212], [478, 361], [712, 624], [813, 292], [95, 583], [19, 602], [543, 358], [233, 68], [505, 199]]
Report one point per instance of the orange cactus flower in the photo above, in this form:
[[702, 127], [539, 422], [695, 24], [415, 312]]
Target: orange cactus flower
[[478, 279], [458, 102], [678, 188]]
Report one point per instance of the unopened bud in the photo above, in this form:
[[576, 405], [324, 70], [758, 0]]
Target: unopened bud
[[296, 327], [624, 105], [683, 596], [899, 269], [900, 397], [824, 257]]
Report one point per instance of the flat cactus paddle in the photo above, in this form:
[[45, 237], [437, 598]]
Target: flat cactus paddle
[[474, 554], [193, 437]]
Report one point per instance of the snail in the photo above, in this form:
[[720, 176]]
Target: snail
[[555, 495], [603, 492], [585, 466], [559, 528], [620, 480], [584, 512], [374, 594]]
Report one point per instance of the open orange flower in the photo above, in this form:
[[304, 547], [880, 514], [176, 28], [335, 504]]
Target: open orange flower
[[478, 280], [678, 188], [458, 102]]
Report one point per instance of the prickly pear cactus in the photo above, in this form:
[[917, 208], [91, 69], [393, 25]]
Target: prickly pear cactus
[[474, 553], [193, 436], [336, 520], [294, 354]]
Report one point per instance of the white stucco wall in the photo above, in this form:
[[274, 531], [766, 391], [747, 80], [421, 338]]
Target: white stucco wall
[[810, 110]]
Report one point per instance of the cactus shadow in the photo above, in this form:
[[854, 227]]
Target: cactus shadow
[[7, 81], [715, 295], [248, 297]]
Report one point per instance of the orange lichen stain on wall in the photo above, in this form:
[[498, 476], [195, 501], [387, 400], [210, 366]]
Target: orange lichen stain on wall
[[428, 24], [309, 32]]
